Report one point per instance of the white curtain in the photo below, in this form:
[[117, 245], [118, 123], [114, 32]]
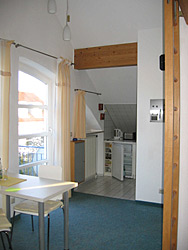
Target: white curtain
[[79, 115], [63, 119], [4, 100]]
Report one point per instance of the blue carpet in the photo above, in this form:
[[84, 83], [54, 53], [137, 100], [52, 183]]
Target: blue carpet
[[97, 223]]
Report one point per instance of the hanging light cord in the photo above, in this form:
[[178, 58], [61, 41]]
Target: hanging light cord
[[67, 16]]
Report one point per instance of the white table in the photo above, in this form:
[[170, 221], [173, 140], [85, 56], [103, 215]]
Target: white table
[[40, 190]]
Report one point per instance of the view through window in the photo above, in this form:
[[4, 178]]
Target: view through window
[[32, 123]]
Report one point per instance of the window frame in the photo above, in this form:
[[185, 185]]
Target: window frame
[[48, 107]]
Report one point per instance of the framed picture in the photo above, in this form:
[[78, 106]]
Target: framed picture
[[102, 116], [100, 106]]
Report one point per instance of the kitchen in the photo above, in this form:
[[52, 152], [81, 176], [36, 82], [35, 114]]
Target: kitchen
[[121, 115], [119, 171], [121, 142]]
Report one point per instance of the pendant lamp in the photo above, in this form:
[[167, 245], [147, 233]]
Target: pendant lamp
[[52, 8], [66, 30]]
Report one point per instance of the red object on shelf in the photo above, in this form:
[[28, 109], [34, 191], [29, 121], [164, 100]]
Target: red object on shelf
[[102, 115], [100, 106]]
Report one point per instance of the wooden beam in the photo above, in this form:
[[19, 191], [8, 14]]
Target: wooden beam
[[184, 8], [172, 125], [175, 179], [106, 56], [169, 124]]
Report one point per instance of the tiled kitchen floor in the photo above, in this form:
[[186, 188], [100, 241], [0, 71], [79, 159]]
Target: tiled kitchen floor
[[110, 187]]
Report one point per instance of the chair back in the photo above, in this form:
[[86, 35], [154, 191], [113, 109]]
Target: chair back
[[50, 172], [5, 225]]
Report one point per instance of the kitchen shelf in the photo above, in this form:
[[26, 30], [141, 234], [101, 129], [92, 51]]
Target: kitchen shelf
[[108, 159], [108, 150]]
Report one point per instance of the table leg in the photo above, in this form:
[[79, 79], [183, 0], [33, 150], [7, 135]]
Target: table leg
[[41, 226], [8, 207], [66, 220]]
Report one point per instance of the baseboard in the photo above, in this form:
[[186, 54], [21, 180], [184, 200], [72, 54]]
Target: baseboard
[[147, 203], [90, 177]]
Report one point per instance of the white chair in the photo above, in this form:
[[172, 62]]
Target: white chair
[[31, 207], [5, 228]]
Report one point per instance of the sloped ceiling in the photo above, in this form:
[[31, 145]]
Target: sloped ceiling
[[117, 85], [123, 116], [107, 22]]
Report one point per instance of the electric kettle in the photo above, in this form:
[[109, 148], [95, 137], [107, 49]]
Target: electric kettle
[[117, 134]]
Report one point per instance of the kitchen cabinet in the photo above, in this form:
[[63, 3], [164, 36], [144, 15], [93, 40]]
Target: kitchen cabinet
[[77, 161]]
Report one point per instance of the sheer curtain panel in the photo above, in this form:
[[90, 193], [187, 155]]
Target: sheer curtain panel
[[4, 100], [79, 117], [63, 119]]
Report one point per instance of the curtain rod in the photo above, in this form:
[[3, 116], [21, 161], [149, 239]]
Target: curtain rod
[[88, 91], [40, 52]]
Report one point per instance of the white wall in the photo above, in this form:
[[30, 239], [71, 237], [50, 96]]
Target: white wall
[[183, 184], [28, 23], [149, 135]]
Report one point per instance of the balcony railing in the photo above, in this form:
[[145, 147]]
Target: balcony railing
[[30, 158]]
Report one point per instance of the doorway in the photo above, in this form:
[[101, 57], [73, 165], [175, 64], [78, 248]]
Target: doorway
[[109, 187]]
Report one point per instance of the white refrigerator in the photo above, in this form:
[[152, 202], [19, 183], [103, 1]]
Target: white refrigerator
[[117, 161], [123, 161]]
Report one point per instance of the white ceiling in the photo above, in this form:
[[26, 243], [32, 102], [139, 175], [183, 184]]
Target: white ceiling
[[106, 22]]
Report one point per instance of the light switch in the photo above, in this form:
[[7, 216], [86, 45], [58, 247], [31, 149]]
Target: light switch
[[157, 108]]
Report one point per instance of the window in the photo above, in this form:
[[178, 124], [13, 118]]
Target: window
[[33, 123]]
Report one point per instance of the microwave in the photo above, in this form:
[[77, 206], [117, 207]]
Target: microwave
[[129, 136]]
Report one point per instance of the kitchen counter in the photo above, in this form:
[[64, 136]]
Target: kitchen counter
[[121, 141]]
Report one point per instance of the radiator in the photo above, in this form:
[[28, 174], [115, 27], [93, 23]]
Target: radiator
[[90, 157]]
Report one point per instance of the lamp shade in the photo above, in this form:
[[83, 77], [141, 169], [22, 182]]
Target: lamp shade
[[66, 33], [52, 8]]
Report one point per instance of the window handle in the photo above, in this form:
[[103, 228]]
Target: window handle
[[50, 130]]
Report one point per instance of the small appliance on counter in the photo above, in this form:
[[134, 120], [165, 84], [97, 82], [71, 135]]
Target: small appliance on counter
[[117, 134], [129, 136]]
